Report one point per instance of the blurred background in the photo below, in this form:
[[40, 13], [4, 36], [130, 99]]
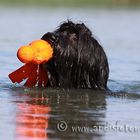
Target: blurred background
[[74, 3]]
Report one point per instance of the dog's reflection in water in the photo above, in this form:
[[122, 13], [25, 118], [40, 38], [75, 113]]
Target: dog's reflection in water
[[38, 115]]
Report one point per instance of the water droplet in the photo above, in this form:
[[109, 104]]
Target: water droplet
[[26, 90]]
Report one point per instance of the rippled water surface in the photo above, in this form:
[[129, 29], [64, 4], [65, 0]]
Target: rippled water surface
[[40, 114]]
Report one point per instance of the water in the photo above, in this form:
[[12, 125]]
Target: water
[[40, 114]]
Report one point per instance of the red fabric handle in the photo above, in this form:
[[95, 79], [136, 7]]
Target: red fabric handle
[[36, 75]]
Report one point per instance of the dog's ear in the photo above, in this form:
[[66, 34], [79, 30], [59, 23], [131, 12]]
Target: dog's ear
[[50, 37], [84, 44]]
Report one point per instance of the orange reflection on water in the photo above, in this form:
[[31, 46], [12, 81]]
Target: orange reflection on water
[[32, 121]]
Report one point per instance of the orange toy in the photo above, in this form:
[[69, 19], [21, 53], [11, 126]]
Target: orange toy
[[34, 55], [43, 51], [25, 54]]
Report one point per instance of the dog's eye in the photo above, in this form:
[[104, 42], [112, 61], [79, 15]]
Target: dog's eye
[[64, 33], [73, 37]]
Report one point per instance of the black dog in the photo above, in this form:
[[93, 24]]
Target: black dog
[[79, 61]]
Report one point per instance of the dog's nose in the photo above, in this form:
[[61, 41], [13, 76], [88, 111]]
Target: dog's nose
[[50, 37]]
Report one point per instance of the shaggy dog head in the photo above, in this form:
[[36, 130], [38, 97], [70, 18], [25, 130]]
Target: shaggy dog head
[[78, 61]]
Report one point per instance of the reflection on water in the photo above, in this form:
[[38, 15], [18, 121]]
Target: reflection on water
[[38, 115], [32, 121], [34, 114]]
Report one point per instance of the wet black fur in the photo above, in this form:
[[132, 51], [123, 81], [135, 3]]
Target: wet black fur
[[78, 61]]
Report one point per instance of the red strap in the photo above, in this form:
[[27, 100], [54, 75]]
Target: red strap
[[22, 73], [32, 80], [36, 74]]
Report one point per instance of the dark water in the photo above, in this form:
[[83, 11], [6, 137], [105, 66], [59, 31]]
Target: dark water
[[40, 114]]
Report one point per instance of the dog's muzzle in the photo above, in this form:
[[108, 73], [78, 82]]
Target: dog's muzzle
[[51, 38]]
